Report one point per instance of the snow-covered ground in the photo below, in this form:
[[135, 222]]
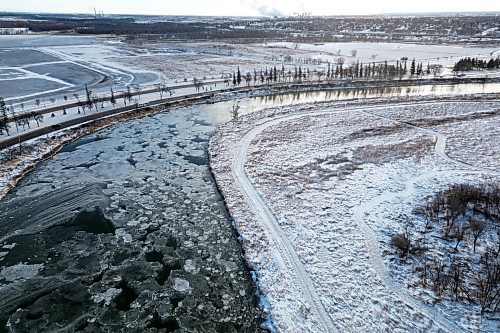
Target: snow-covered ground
[[176, 61], [317, 191], [375, 52], [50, 67]]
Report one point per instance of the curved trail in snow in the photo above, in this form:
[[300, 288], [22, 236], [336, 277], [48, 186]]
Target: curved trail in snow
[[361, 213], [440, 146], [288, 257]]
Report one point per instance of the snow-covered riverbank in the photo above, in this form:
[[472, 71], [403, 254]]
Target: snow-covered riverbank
[[316, 191]]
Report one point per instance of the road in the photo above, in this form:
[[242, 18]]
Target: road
[[75, 115]]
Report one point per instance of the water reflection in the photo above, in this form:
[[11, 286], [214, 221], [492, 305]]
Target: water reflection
[[375, 92]]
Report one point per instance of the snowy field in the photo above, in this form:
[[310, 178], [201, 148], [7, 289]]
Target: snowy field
[[318, 190], [369, 52], [188, 60]]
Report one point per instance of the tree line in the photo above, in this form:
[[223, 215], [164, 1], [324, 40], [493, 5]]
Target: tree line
[[320, 29], [335, 71], [469, 64]]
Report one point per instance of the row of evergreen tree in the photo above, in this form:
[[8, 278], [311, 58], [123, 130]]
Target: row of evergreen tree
[[469, 64], [336, 71], [377, 70]]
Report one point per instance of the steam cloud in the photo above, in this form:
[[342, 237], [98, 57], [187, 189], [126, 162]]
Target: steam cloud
[[261, 7], [269, 11]]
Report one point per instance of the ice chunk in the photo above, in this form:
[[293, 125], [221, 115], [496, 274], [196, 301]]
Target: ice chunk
[[190, 267], [181, 284], [20, 271]]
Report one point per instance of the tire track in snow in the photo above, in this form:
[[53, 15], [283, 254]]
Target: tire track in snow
[[288, 257]]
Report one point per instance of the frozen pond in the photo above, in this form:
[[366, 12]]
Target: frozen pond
[[22, 41], [61, 66]]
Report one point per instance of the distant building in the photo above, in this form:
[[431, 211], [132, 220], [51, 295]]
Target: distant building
[[14, 31]]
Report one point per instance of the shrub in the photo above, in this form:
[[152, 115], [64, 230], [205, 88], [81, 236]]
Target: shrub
[[402, 243]]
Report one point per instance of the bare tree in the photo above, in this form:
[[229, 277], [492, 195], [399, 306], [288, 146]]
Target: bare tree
[[137, 90], [248, 78], [14, 116], [127, 97], [458, 232], [437, 276], [487, 281], [95, 101], [160, 90], [403, 240], [456, 278], [88, 94], [234, 110], [477, 228], [402, 243], [112, 99]]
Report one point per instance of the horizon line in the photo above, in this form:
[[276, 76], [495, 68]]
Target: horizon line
[[297, 15]]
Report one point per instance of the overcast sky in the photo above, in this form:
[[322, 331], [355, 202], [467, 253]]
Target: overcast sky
[[248, 7]]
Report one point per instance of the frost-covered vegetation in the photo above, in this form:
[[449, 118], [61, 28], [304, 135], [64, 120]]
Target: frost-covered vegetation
[[455, 237], [338, 184]]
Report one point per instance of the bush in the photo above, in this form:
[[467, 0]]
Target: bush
[[402, 243]]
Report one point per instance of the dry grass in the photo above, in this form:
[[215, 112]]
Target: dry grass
[[379, 154]]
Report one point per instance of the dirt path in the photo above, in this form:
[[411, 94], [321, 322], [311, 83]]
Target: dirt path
[[361, 213]]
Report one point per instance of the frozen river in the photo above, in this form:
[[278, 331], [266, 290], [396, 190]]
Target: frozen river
[[124, 230]]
